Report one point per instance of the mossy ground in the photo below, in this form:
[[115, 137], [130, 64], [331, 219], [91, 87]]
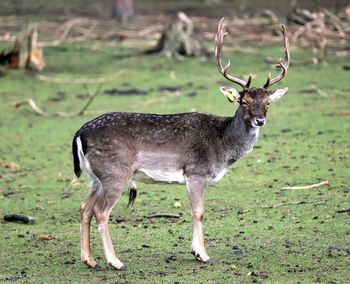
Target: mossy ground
[[306, 140]]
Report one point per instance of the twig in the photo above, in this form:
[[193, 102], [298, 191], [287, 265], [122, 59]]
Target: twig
[[316, 185], [32, 104], [335, 21], [40, 112], [19, 218], [162, 215], [69, 26], [91, 98], [291, 203]]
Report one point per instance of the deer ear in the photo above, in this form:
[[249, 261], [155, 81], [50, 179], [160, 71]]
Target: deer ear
[[230, 93], [276, 95]]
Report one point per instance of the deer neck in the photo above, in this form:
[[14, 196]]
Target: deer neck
[[239, 137]]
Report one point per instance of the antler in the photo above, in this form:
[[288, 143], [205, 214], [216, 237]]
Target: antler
[[281, 64], [219, 42]]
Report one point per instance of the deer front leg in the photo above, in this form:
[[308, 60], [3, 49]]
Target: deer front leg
[[196, 187]]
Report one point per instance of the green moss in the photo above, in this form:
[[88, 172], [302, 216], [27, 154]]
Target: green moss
[[305, 141]]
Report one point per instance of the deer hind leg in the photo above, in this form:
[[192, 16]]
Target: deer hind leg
[[112, 189], [196, 189], [86, 212]]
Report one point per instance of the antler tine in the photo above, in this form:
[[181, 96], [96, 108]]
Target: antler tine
[[219, 42], [281, 64]]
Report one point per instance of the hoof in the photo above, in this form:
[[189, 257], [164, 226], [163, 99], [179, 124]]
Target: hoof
[[123, 267], [90, 262], [200, 258]]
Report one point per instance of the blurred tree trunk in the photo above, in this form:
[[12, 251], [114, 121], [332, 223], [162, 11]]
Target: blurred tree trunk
[[123, 10]]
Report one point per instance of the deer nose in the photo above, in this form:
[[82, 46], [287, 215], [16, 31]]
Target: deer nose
[[260, 121]]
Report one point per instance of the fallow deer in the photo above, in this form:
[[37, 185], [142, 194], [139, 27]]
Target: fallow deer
[[116, 149]]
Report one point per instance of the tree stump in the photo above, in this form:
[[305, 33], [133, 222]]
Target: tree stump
[[180, 38], [25, 54]]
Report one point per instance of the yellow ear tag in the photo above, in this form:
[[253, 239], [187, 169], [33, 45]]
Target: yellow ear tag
[[230, 97]]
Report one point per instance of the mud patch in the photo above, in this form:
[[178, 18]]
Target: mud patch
[[125, 92], [170, 89]]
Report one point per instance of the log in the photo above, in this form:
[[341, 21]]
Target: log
[[19, 218]]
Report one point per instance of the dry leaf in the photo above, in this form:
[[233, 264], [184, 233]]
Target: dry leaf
[[45, 237]]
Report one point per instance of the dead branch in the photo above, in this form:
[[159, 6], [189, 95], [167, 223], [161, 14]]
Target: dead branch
[[39, 111], [68, 26], [316, 185], [19, 218], [91, 98], [32, 104], [291, 203], [61, 39], [162, 215]]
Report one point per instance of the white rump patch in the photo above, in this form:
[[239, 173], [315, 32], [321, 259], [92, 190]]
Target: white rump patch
[[85, 165]]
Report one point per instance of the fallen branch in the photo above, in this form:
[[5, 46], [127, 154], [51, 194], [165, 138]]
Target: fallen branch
[[316, 185], [162, 215], [41, 112], [291, 203], [19, 218], [60, 40], [78, 26], [32, 104], [91, 98]]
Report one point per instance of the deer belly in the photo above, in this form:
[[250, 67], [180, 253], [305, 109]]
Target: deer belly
[[159, 176]]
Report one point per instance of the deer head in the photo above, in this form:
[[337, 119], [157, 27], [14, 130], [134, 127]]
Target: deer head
[[253, 101]]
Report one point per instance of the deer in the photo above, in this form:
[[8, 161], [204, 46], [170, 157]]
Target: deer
[[118, 149]]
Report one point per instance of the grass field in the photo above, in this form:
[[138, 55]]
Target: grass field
[[305, 141]]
